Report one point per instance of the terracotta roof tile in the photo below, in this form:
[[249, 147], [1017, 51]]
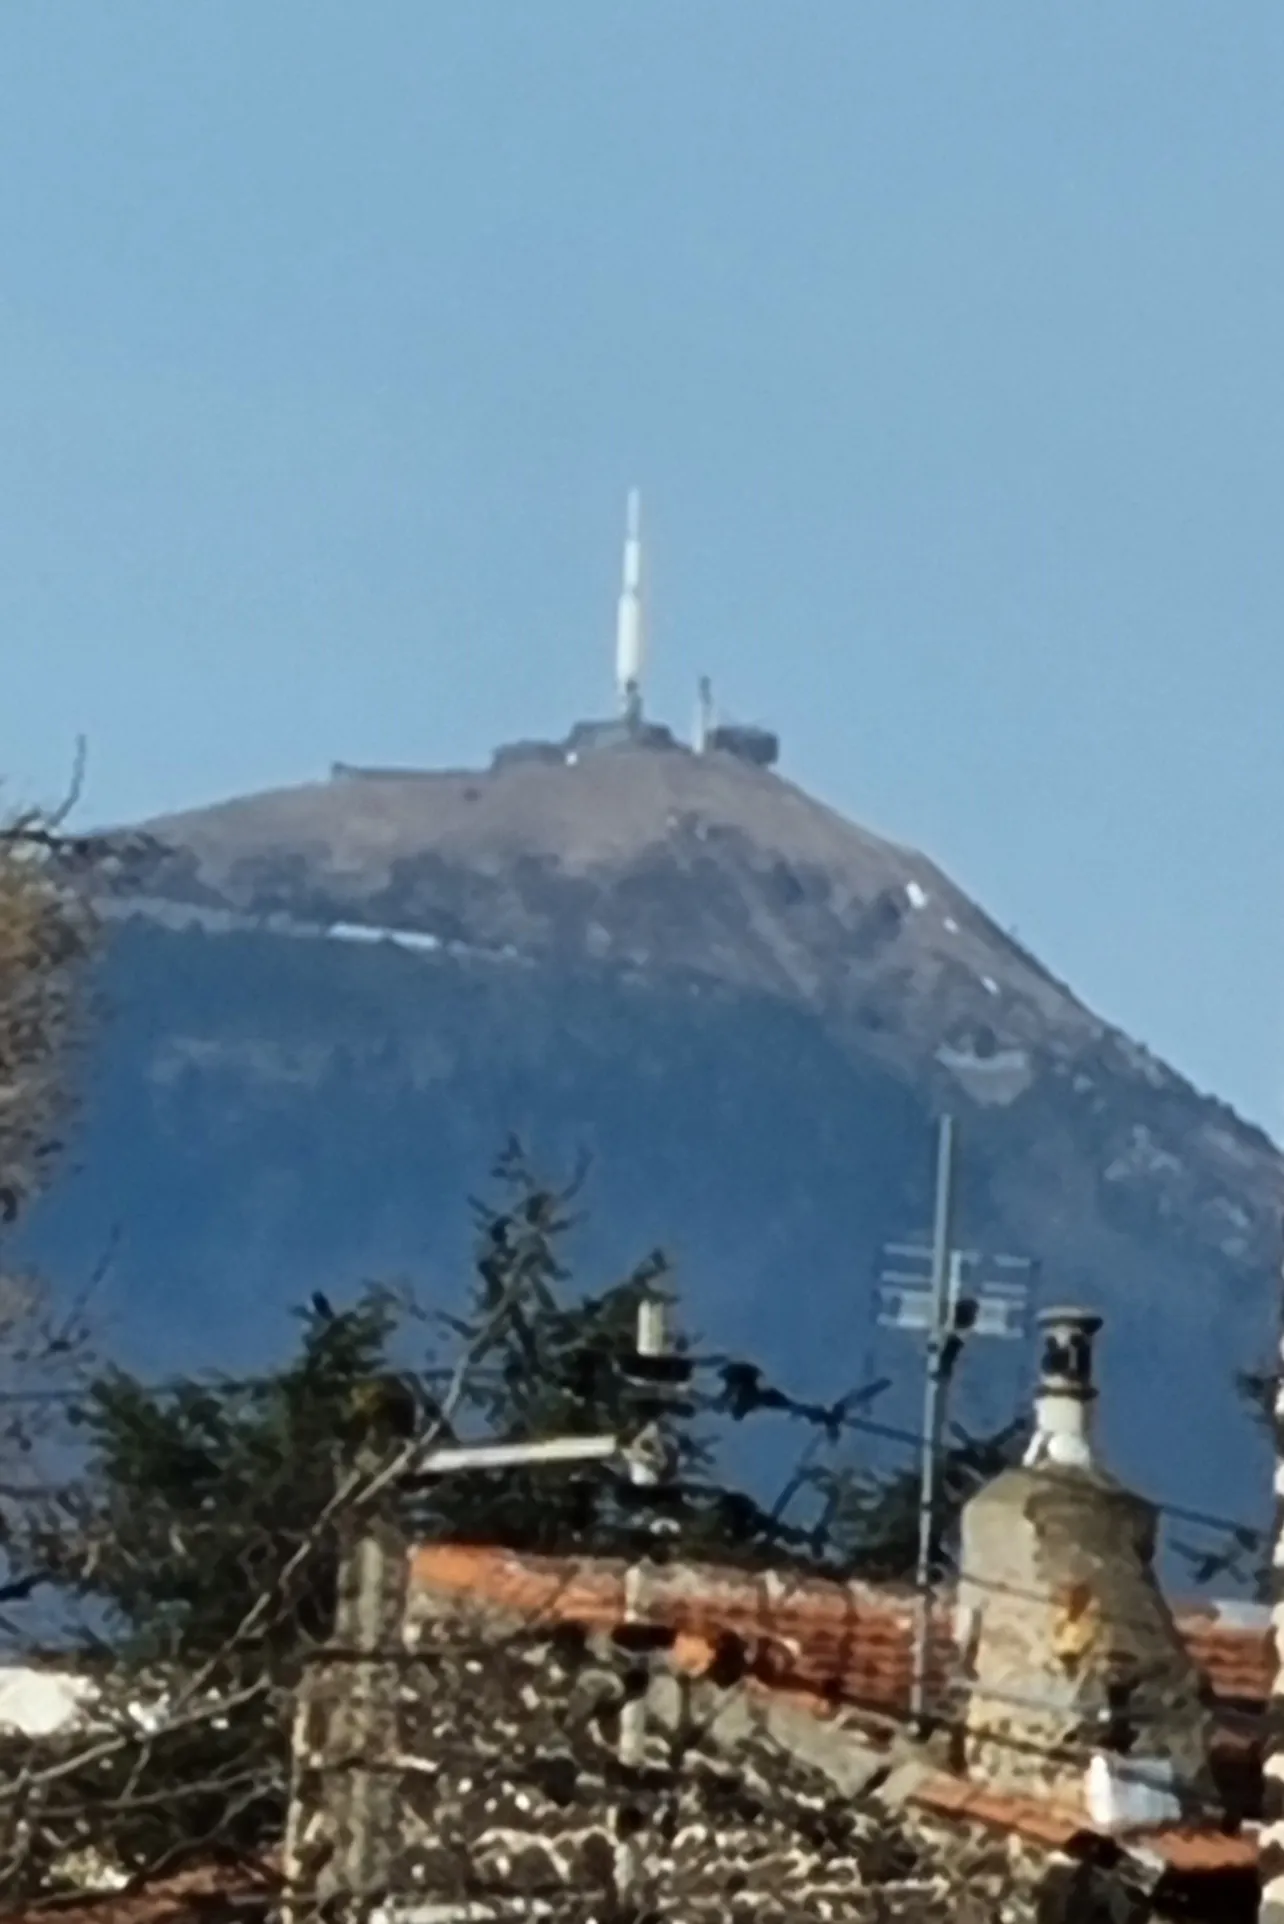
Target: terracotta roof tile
[[850, 1642], [1238, 1661], [1038, 1820], [1192, 1853], [842, 1643], [1183, 1851]]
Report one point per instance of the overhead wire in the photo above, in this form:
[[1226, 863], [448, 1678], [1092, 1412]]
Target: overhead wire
[[1250, 1536]]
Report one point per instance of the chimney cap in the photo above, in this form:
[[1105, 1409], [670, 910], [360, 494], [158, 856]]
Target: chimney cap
[[1071, 1316], [1065, 1370], [1065, 1390]]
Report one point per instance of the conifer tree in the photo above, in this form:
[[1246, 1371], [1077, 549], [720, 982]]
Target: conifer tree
[[205, 1535]]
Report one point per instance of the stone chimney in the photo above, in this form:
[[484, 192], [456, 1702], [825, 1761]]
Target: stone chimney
[[1068, 1648]]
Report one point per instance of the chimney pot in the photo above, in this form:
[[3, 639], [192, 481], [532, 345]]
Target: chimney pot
[[1066, 1389], [1067, 1349]]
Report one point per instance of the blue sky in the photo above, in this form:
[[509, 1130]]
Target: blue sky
[[944, 343]]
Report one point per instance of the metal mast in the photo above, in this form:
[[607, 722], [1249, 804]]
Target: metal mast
[[949, 1294], [629, 637]]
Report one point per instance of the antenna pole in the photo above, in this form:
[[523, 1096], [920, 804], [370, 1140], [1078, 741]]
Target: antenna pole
[[944, 1288], [704, 715], [629, 638]]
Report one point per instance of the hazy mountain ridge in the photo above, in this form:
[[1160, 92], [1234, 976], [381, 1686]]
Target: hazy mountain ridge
[[744, 1007], [666, 863]]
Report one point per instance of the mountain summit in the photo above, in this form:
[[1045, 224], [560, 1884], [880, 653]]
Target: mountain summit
[[657, 863]]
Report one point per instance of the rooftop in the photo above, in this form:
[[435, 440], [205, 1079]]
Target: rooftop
[[844, 1642], [845, 1651]]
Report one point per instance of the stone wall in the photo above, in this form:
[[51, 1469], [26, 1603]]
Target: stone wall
[[509, 1797]]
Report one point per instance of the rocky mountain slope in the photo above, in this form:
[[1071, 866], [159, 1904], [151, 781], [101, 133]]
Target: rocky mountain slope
[[325, 1006]]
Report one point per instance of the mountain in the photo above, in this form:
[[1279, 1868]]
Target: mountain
[[323, 1008]]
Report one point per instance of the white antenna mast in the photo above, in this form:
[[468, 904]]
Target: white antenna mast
[[628, 622], [704, 716]]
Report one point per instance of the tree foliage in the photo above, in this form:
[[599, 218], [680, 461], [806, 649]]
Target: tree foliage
[[47, 937], [201, 1544], [1245, 1555], [203, 1539], [199, 1495]]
